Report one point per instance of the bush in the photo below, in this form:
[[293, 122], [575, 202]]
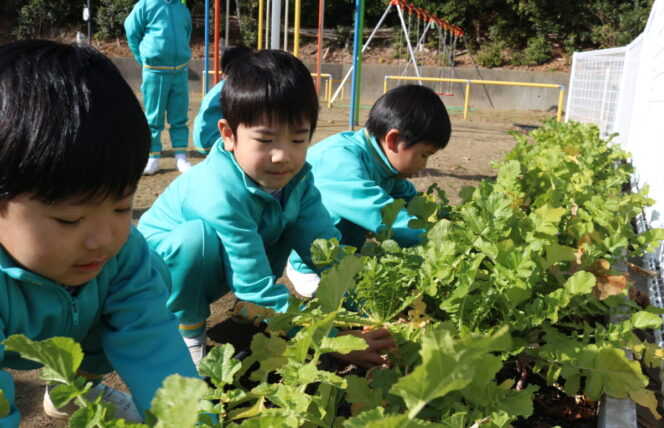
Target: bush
[[39, 17], [537, 52], [490, 55], [110, 16]]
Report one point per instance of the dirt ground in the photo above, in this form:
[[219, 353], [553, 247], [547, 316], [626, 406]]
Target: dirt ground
[[466, 160]]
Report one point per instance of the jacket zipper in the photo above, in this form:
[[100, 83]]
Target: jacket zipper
[[74, 306]]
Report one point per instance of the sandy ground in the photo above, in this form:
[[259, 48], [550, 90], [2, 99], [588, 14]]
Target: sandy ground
[[466, 160]]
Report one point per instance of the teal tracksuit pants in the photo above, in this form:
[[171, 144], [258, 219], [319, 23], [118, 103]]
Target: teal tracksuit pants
[[193, 254], [166, 97]]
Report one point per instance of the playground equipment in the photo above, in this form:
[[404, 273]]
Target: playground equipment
[[468, 82], [264, 23], [428, 20], [431, 21]]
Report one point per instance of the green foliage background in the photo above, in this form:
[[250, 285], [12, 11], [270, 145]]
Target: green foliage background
[[528, 29]]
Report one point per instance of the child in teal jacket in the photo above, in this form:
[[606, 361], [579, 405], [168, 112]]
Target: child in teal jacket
[[206, 123], [231, 222], [71, 263], [158, 33], [359, 173]]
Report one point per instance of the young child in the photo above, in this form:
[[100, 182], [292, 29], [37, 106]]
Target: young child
[[206, 129], [359, 173], [158, 33], [231, 222], [71, 264]]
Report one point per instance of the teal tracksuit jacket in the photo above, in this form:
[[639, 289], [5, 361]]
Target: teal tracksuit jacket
[[206, 129], [356, 181], [158, 34], [120, 319], [218, 231]]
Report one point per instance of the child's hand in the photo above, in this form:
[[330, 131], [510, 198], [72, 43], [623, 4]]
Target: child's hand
[[379, 342], [250, 313]]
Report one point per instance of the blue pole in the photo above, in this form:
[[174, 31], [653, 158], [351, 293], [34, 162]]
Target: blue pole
[[356, 53], [207, 44]]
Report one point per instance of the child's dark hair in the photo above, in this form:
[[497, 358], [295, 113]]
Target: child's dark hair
[[269, 86], [415, 111], [232, 53], [70, 126]]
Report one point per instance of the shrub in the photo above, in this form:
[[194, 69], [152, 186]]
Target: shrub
[[537, 52], [37, 17], [110, 16], [490, 55]]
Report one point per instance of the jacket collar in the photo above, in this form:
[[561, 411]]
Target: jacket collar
[[373, 146], [253, 187], [10, 268]]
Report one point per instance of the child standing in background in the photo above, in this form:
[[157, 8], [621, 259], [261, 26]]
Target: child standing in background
[[158, 33], [230, 223], [74, 142], [359, 173], [206, 123]]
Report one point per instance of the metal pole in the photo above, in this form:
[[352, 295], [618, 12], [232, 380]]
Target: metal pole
[[267, 24], [206, 65], [559, 114], [466, 102], [217, 10], [418, 45], [321, 12], [366, 44], [410, 48], [359, 68], [276, 21], [259, 44], [89, 23], [296, 35], [286, 25], [228, 20], [356, 56]]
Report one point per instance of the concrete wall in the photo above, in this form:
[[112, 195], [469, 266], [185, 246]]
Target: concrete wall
[[481, 96]]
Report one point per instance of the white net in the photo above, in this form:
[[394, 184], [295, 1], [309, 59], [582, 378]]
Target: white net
[[595, 87], [622, 90]]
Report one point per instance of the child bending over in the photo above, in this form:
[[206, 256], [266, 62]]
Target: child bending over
[[359, 173], [231, 222], [73, 144]]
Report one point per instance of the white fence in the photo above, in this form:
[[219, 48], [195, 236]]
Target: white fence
[[622, 90]]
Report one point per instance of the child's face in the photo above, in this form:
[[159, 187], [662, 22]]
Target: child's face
[[408, 161], [67, 242], [271, 155]]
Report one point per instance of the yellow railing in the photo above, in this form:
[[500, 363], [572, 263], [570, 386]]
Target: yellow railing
[[328, 87], [341, 95], [468, 82]]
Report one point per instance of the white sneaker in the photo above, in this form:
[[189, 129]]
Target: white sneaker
[[196, 346], [152, 166], [305, 284], [124, 405], [182, 163]]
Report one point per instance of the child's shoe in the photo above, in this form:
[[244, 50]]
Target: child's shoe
[[197, 348], [124, 405], [152, 166], [181, 162]]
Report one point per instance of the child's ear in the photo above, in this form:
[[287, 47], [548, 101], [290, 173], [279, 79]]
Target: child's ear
[[226, 135], [391, 140]]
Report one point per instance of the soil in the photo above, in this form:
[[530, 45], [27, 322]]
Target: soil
[[475, 143]]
